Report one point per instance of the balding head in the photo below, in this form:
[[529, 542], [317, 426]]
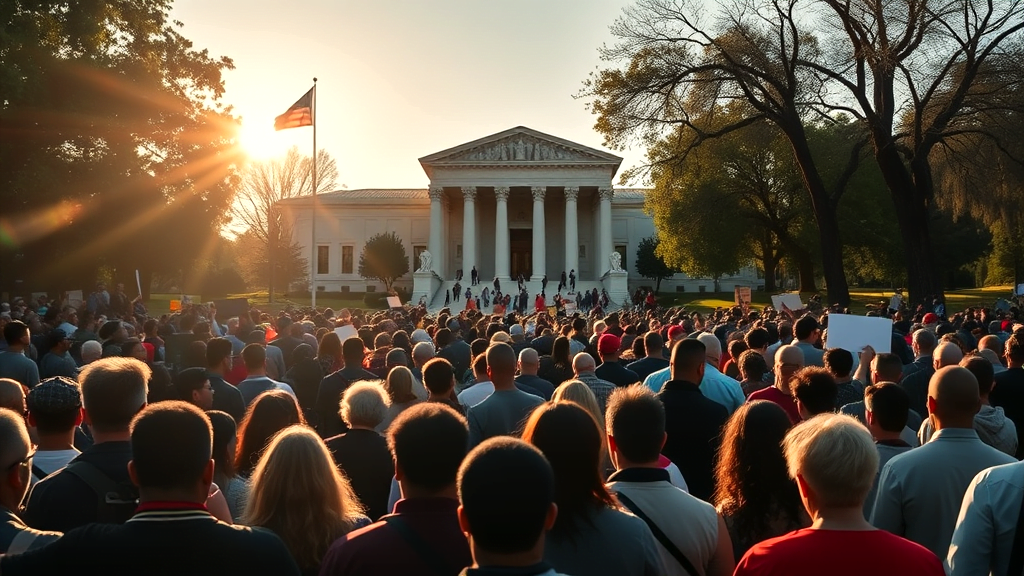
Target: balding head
[[946, 354], [91, 351], [923, 342], [12, 395], [991, 342], [712, 347], [422, 352], [953, 397], [788, 359], [583, 363], [501, 365], [529, 361], [14, 447]]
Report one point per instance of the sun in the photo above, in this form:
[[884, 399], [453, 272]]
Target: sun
[[260, 141]]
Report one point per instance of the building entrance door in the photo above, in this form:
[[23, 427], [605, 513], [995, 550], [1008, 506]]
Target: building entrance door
[[521, 247]]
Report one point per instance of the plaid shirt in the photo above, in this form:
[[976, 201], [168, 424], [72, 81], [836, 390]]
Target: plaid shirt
[[601, 388]]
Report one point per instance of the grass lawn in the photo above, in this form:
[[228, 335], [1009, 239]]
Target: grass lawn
[[955, 300]]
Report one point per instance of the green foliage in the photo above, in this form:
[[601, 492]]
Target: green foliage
[[119, 151], [1006, 262], [650, 265], [383, 258], [255, 255]]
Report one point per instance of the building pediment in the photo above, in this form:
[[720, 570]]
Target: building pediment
[[522, 147]]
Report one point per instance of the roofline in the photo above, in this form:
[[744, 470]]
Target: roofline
[[608, 157]]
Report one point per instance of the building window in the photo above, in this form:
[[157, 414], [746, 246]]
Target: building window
[[583, 251], [346, 259], [323, 254], [458, 250], [621, 249]]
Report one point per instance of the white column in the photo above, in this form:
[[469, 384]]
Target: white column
[[435, 242], [501, 247], [468, 231], [604, 249], [572, 237], [539, 241]]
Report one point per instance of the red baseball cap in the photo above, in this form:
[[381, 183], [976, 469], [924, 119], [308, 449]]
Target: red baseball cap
[[608, 344], [675, 332], [931, 318]]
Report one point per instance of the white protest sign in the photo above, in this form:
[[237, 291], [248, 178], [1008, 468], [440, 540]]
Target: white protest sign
[[790, 299], [138, 282], [394, 302], [75, 298], [853, 333], [346, 331]]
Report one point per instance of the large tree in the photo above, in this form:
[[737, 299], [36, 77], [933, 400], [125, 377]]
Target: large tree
[[650, 265], [903, 69], [115, 145], [267, 230], [383, 258]]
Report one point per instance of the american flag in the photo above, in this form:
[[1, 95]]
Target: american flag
[[300, 114]]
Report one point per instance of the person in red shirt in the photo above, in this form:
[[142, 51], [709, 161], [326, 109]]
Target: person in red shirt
[[788, 360], [833, 460]]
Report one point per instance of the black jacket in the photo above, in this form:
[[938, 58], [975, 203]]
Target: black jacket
[[694, 425]]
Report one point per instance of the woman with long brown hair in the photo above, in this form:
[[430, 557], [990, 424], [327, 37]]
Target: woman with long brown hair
[[557, 367], [591, 535], [268, 414], [299, 494], [754, 493]]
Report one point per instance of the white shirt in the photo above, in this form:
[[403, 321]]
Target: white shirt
[[476, 393], [50, 461], [983, 538]]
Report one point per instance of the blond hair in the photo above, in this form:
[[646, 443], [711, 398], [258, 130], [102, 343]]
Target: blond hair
[[298, 492], [364, 403], [577, 392], [399, 385], [835, 454]]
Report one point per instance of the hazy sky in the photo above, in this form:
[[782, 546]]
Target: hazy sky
[[402, 79]]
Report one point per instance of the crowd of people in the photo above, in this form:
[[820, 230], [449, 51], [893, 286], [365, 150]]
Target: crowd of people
[[646, 441]]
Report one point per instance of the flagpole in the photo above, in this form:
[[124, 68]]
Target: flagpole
[[316, 205]]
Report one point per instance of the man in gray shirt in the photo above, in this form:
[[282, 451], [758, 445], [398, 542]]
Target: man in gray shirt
[[501, 413], [920, 491], [256, 381]]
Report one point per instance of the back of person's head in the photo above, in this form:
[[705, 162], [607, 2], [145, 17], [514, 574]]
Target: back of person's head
[[757, 339], [438, 376], [92, 350], [501, 361], [954, 396], [947, 354], [815, 388], [15, 445], [224, 441], [364, 404], [836, 458], [839, 362], [653, 343], [572, 441], [172, 445], [506, 488], [737, 347], [560, 351], [982, 370], [352, 350], [217, 349], [924, 340], [381, 341], [194, 355], [635, 419], [55, 405], [255, 357], [308, 510], [887, 368], [188, 381], [889, 405], [428, 442], [752, 365], [398, 385], [443, 337], [268, 414], [12, 395], [578, 392], [14, 331], [478, 346], [1014, 350], [422, 352], [688, 358], [113, 392], [805, 327], [583, 363], [751, 472], [712, 347]]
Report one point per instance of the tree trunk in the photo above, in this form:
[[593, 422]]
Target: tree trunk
[[824, 215], [769, 262], [805, 267], [657, 285]]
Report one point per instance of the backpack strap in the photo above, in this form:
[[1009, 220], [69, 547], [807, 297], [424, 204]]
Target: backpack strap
[[38, 473], [661, 536], [106, 489], [21, 542], [1017, 556], [437, 565]]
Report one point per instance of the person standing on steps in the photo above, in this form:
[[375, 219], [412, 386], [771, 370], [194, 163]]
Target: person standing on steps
[[474, 276], [572, 280]]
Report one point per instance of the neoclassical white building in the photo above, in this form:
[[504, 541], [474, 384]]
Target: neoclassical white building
[[515, 202]]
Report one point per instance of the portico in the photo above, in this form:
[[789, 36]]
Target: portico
[[521, 180]]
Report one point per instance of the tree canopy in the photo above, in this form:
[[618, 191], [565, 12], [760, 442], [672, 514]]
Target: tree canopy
[[911, 73], [116, 146], [650, 265], [383, 258]]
